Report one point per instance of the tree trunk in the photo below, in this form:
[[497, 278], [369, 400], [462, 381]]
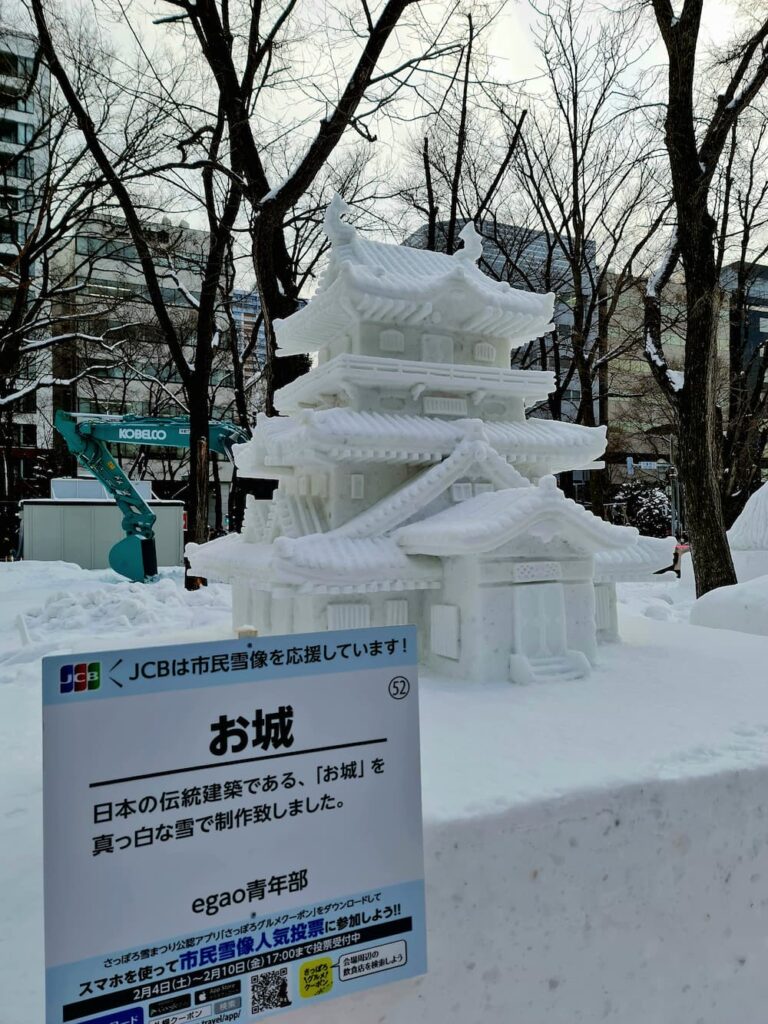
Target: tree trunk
[[218, 509], [699, 452], [235, 503], [198, 493], [274, 274]]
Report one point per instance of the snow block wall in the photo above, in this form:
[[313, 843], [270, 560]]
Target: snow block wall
[[643, 904]]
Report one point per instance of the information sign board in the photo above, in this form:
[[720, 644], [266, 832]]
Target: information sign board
[[232, 829]]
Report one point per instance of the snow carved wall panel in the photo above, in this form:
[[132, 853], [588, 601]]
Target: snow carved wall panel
[[392, 341], [444, 630], [435, 405], [396, 612], [349, 616], [484, 352]]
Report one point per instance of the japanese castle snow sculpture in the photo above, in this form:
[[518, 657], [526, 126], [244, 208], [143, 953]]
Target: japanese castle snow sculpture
[[412, 488]]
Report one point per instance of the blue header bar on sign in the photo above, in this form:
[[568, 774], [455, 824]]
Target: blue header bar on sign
[[98, 675]]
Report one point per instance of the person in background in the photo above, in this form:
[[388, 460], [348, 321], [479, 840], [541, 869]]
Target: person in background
[[681, 548]]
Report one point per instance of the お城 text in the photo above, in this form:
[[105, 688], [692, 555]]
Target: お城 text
[[266, 730]]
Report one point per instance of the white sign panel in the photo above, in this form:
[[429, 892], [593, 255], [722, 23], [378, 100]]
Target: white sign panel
[[232, 829]]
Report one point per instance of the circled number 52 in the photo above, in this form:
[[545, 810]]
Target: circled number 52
[[399, 687]]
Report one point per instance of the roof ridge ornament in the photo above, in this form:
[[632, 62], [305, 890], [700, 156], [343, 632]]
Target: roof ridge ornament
[[473, 244], [336, 231]]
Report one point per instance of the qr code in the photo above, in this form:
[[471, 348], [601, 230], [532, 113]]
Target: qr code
[[269, 990]]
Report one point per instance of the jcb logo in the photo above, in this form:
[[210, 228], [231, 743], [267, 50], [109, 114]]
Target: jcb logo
[[76, 678]]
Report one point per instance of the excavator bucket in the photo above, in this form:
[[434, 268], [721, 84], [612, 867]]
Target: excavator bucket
[[134, 557]]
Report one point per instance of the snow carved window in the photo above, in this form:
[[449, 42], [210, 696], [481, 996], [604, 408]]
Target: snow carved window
[[445, 406], [357, 485], [536, 572], [485, 352], [444, 630], [461, 491], [349, 616], [436, 348], [396, 612], [392, 341]]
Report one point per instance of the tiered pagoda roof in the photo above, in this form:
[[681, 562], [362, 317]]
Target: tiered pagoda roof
[[535, 446], [374, 281], [341, 375]]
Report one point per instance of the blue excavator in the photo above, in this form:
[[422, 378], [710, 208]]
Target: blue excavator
[[88, 437]]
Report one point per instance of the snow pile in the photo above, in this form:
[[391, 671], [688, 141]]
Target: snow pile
[[743, 607], [750, 531], [46, 607], [136, 607]]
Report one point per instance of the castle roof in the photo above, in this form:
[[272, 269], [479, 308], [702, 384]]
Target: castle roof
[[361, 557], [378, 282], [319, 562], [534, 446], [337, 562], [407, 501], [487, 521], [347, 371], [637, 562]]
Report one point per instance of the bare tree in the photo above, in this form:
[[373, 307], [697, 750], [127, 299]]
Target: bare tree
[[561, 182], [695, 136], [256, 55], [155, 112], [49, 188], [590, 176]]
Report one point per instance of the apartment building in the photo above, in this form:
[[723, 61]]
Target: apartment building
[[24, 96]]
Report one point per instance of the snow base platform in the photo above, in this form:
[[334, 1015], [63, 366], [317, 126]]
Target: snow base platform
[[596, 850]]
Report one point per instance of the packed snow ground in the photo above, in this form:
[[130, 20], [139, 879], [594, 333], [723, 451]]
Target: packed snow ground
[[672, 705]]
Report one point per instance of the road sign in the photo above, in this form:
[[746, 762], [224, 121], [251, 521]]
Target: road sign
[[648, 465], [232, 829]]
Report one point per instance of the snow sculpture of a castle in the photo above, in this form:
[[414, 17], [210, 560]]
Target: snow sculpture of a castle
[[748, 537], [412, 488]]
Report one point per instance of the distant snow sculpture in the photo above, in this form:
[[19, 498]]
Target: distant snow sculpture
[[412, 488], [750, 531]]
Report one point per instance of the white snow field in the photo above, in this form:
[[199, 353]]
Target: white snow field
[[596, 850]]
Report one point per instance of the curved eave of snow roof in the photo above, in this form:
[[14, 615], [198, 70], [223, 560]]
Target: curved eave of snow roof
[[380, 282], [357, 296], [376, 371], [639, 561], [338, 435], [750, 531], [487, 521], [332, 559], [228, 558]]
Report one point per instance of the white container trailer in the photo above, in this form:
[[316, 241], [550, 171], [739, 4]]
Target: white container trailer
[[83, 531]]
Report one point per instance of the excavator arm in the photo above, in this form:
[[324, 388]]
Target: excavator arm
[[88, 436]]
